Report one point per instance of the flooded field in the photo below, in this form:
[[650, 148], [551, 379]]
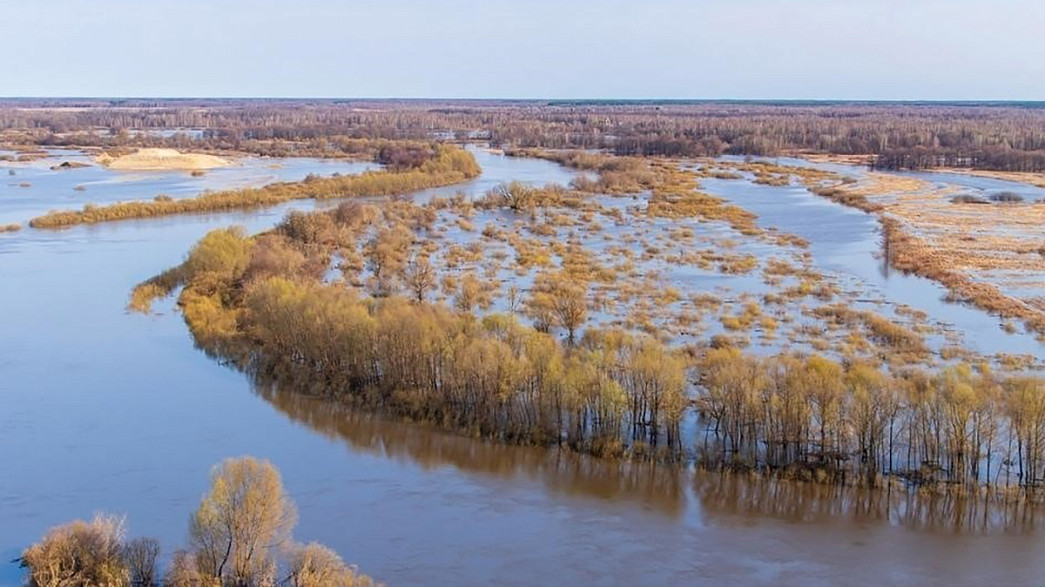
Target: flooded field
[[848, 243], [107, 410]]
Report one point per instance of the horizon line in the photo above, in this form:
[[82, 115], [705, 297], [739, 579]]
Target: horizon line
[[567, 100]]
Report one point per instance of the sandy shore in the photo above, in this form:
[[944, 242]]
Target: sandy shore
[[162, 160]]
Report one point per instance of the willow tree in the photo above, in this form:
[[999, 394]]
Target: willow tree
[[872, 412], [244, 517], [821, 380], [733, 385], [562, 298], [1025, 405]]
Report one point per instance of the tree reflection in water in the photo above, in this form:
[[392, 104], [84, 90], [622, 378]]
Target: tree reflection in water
[[663, 489], [658, 487]]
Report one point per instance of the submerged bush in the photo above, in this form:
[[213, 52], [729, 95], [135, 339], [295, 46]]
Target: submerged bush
[[1007, 197], [968, 199]]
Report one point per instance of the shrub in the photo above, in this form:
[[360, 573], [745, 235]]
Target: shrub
[[79, 554], [968, 199], [1007, 197]]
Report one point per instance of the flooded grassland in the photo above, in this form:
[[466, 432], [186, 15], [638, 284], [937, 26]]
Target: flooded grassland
[[788, 272]]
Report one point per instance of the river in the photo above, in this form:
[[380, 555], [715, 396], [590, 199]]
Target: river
[[106, 410]]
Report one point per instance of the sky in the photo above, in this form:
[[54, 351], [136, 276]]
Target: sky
[[695, 49]]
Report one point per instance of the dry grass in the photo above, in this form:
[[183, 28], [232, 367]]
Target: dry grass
[[930, 260], [961, 243]]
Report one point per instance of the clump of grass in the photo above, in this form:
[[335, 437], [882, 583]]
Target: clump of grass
[[739, 265], [847, 198], [968, 199], [879, 329], [14, 227]]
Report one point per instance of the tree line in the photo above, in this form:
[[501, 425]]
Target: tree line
[[994, 158], [814, 417], [988, 136]]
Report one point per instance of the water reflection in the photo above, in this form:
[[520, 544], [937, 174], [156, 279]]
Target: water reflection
[[657, 487], [737, 495], [664, 489]]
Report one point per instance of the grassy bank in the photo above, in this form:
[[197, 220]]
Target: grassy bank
[[913, 255]]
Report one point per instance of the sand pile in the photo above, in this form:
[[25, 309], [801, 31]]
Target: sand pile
[[162, 159]]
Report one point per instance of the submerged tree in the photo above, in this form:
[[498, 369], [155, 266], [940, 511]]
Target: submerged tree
[[559, 298], [419, 276]]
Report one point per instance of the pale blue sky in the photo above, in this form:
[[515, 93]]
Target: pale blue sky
[[758, 49]]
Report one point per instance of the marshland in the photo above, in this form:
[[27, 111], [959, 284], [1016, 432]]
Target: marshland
[[673, 333]]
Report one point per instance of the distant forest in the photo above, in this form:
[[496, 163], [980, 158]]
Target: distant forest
[[990, 136]]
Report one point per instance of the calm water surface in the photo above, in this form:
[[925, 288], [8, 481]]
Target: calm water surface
[[105, 410]]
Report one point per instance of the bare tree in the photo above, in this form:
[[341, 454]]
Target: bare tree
[[513, 299], [419, 276], [515, 195], [244, 516], [140, 555], [185, 571], [557, 296]]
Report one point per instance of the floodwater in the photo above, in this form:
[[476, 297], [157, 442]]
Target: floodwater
[[983, 187], [848, 243], [106, 410]]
